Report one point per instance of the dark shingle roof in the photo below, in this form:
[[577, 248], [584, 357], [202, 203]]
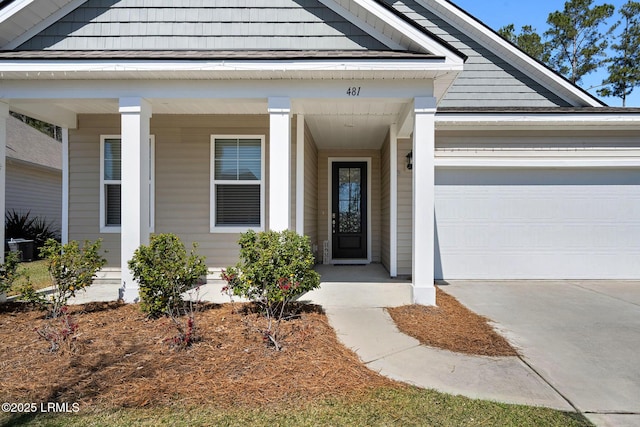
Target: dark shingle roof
[[538, 110], [29, 145], [214, 54]]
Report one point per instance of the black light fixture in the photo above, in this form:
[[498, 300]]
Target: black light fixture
[[410, 160]]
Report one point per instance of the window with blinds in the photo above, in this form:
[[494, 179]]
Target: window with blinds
[[111, 183], [237, 183], [111, 180]]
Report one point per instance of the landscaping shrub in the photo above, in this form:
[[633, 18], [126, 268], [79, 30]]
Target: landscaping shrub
[[164, 271], [19, 225], [274, 269], [71, 269], [9, 271]]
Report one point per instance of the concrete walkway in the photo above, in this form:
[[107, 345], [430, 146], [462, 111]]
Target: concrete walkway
[[355, 311], [563, 366]]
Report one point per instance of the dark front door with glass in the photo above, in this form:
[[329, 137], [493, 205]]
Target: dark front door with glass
[[349, 210]]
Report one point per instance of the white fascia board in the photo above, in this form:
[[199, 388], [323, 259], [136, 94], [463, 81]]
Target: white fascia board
[[585, 120], [75, 67], [533, 162], [43, 24], [428, 43], [532, 69]]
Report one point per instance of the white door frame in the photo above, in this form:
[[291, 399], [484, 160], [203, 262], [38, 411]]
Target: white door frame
[[331, 161]]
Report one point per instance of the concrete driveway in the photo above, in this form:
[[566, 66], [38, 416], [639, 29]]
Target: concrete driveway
[[582, 337]]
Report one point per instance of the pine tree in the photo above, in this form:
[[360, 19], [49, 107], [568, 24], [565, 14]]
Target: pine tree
[[528, 40], [575, 40], [624, 72]]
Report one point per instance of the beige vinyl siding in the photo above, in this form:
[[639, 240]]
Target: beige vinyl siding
[[34, 189], [311, 191], [385, 206], [84, 182], [182, 179], [323, 194], [497, 143], [405, 197]]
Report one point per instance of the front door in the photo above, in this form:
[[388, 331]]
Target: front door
[[349, 210]]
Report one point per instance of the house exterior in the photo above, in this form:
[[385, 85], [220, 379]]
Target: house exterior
[[33, 173], [207, 118]]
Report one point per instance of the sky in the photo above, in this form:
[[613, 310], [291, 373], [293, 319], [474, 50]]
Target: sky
[[498, 13]]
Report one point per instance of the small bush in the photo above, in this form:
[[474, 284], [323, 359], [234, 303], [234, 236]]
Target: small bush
[[9, 271], [164, 271], [275, 268], [71, 269], [60, 332]]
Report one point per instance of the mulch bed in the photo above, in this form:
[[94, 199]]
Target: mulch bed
[[451, 326], [121, 359]]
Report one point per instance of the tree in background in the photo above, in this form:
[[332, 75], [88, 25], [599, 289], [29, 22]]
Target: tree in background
[[528, 40], [577, 45], [624, 69], [48, 129]]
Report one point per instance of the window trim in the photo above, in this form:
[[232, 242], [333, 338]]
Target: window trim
[[213, 228], [104, 228]]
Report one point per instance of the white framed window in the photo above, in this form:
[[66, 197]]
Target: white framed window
[[111, 183], [237, 183]]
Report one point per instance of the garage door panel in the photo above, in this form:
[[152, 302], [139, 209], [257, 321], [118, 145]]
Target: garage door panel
[[537, 224]]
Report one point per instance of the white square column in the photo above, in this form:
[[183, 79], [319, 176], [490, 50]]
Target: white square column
[[4, 115], [135, 116], [422, 269], [279, 164]]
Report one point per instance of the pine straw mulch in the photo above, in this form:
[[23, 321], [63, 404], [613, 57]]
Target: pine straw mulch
[[121, 359], [451, 326]]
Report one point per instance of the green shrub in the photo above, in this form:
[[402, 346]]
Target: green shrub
[[274, 269], [71, 269], [9, 271], [164, 271]]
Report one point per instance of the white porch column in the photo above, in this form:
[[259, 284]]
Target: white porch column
[[393, 201], [65, 186], [279, 164], [135, 115], [300, 174], [424, 291], [4, 115]]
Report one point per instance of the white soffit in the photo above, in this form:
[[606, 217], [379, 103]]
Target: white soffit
[[492, 41], [23, 19]]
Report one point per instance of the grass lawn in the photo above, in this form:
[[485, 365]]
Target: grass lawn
[[37, 273], [381, 407]]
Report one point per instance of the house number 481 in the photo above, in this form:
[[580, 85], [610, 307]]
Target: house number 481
[[353, 91]]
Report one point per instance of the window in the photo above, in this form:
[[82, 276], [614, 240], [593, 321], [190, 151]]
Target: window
[[111, 181], [237, 186]]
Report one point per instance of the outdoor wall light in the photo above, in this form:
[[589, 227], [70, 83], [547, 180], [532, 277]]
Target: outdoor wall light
[[410, 160]]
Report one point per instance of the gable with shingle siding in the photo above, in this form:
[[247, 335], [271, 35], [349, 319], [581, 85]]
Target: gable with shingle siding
[[198, 24], [487, 79]]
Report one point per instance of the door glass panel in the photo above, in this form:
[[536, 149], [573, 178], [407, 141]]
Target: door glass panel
[[349, 184]]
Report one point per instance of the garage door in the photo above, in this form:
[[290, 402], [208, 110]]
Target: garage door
[[537, 224]]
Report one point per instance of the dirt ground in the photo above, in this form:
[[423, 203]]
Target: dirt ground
[[451, 326], [122, 359]]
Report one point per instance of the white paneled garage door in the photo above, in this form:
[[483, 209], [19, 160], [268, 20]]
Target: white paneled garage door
[[537, 223]]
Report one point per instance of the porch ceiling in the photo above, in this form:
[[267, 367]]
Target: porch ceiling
[[359, 123]]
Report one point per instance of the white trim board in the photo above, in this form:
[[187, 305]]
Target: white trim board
[[330, 162]]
